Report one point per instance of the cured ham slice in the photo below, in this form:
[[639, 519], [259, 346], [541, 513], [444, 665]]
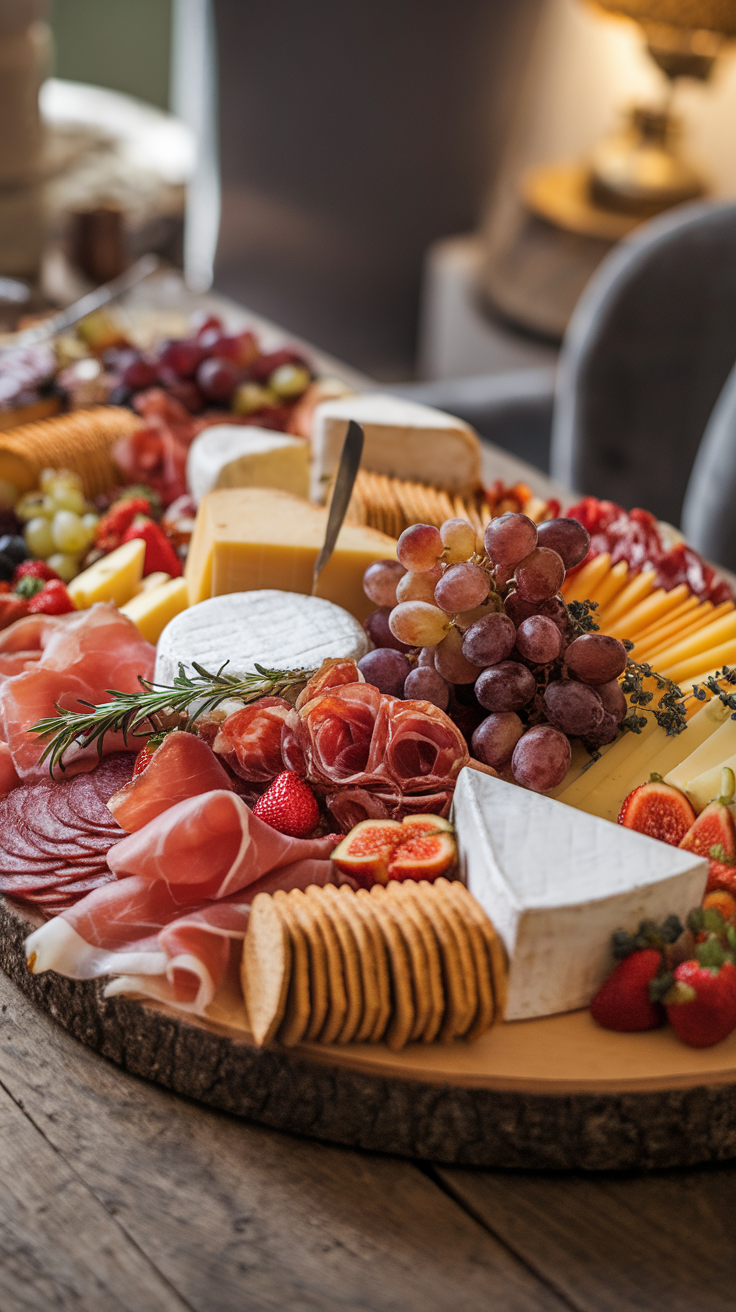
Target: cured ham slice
[[183, 766], [250, 739], [9, 777], [30, 633], [332, 673], [183, 889], [417, 745], [81, 659], [17, 662], [334, 733]]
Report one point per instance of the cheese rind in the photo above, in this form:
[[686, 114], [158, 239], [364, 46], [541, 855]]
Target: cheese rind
[[402, 439], [113, 578], [279, 630], [240, 455], [249, 538], [558, 884]]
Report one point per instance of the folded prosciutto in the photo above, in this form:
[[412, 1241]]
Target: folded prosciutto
[[183, 766], [183, 887]]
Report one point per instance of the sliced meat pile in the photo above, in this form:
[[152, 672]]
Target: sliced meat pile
[[55, 837]]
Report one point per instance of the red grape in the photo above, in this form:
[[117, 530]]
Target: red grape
[[183, 390], [217, 378], [568, 537], [451, 662], [418, 623], [540, 575], [596, 658], [605, 733], [140, 373], [418, 587], [426, 657], [426, 685], [241, 348], [380, 580], [376, 626], [420, 547], [183, 356], [517, 608], [556, 610], [386, 669], [613, 699], [539, 640], [541, 758], [505, 687], [202, 321], [489, 640], [496, 737], [509, 538], [462, 587], [574, 708]]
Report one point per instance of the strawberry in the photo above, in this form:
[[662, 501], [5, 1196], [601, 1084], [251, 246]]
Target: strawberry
[[145, 755], [288, 805], [623, 1002], [34, 569], [119, 517], [713, 835], [160, 554], [659, 810], [701, 1003], [53, 599]]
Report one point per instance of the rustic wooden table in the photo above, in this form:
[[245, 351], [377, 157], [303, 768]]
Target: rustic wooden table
[[116, 1196]]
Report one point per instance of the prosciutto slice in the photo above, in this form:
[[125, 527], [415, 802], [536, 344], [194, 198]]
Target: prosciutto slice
[[183, 766], [417, 746], [250, 739], [334, 733], [184, 884]]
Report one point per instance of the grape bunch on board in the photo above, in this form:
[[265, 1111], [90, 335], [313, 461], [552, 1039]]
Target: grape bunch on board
[[486, 636]]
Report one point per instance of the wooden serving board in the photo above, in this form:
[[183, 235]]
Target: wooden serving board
[[557, 1093]]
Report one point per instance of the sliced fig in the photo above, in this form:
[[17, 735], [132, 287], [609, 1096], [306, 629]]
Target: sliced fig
[[366, 851], [426, 823], [659, 810], [424, 855], [713, 836]]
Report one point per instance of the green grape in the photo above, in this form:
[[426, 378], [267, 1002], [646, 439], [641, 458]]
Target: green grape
[[30, 505], [46, 479], [65, 496], [39, 538], [67, 567], [89, 524], [69, 533], [289, 380]]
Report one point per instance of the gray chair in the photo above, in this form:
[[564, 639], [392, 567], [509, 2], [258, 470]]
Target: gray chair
[[709, 510], [645, 356]]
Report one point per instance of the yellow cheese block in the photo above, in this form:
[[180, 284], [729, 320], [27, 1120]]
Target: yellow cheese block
[[655, 752], [250, 538], [152, 581], [699, 644], [609, 587], [685, 620], [710, 755], [152, 609], [635, 591], [654, 607], [579, 586], [113, 578]]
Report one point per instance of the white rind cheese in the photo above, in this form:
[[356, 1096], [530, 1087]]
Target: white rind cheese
[[557, 883], [240, 455], [279, 630], [402, 439]]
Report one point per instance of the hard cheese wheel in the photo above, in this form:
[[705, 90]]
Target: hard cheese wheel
[[279, 630]]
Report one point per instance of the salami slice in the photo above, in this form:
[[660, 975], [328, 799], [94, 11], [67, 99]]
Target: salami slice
[[16, 840], [85, 800], [418, 746], [113, 772], [98, 840], [251, 739]]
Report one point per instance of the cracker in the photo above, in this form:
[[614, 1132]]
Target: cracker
[[265, 968], [317, 962], [484, 1015], [337, 1002], [297, 1011], [456, 998], [401, 1022], [418, 955], [350, 967], [413, 902], [366, 962], [467, 960], [494, 947], [380, 956]]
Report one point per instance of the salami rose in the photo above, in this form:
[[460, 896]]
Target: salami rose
[[250, 740], [417, 746], [336, 734], [332, 673]]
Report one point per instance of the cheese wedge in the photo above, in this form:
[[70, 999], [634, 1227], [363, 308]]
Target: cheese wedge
[[152, 581], [707, 786], [113, 578], [250, 538], [580, 586], [556, 884], [241, 455], [152, 609]]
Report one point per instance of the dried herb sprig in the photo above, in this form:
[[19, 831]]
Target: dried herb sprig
[[581, 614], [714, 683], [127, 713]]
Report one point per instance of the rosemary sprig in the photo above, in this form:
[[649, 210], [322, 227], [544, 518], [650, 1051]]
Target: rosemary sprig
[[188, 697]]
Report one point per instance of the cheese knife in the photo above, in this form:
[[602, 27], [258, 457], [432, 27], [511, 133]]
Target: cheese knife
[[347, 472]]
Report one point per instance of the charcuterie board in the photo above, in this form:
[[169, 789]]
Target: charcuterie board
[[555, 1093]]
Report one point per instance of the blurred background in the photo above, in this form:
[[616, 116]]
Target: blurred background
[[407, 185]]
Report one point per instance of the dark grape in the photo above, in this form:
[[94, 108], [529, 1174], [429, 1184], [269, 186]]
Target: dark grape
[[426, 658], [13, 545], [539, 640], [495, 739], [386, 669], [376, 626], [596, 658], [7, 568], [489, 640], [540, 575], [568, 537], [509, 538], [555, 609], [574, 708], [505, 687], [183, 356], [518, 609], [380, 580], [424, 684], [217, 379], [451, 662], [541, 758], [613, 699], [140, 373], [605, 733]]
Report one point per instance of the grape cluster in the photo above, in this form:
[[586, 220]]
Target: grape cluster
[[60, 526], [484, 633]]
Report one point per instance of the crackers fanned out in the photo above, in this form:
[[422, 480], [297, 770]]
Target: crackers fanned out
[[392, 504], [404, 962]]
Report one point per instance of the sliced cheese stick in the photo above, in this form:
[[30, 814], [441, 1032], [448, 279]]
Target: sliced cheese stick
[[578, 587], [634, 592], [653, 607]]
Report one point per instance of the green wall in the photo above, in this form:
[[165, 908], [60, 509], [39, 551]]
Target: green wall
[[123, 44]]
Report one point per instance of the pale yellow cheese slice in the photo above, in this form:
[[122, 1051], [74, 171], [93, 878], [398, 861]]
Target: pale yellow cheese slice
[[699, 644], [152, 581], [707, 786], [709, 755], [113, 578], [152, 609], [246, 539]]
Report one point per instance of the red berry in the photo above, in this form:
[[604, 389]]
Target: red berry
[[217, 379], [623, 1002], [53, 599], [34, 569], [288, 805], [143, 759], [701, 1006], [160, 555]]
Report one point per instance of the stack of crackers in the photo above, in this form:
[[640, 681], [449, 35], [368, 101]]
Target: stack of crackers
[[79, 441], [404, 962], [392, 504]]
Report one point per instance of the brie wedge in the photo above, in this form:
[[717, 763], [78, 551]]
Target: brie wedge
[[557, 883], [278, 630], [240, 455]]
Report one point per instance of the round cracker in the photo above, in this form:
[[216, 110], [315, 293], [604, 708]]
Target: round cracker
[[366, 964], [413, 901], [337, 998], [494, 947], [423, 1005], [401, 1022], [483, 972], [318, 985], [265, 968], [467, 960], [298, 1007], [456, 997], [383, 978], [350, 965]]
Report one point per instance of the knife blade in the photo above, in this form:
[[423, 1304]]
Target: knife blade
[[347, 472]]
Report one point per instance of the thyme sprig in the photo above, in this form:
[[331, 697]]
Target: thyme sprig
[[581, 614], [714, 683], [188, 697]]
